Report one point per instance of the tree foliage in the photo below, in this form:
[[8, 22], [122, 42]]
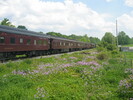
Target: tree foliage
[[108, 41], [6, 22], [94, 40], [131, 40], [109, 38], [22, 27], [84, 38], [123, 39]]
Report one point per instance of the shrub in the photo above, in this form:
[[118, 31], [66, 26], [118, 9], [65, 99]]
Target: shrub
[[10, 64], [100, 49], [115, 52], [102, 56], [111, 47], [27, 61], [125, 88], [2, 68], [113, 61]]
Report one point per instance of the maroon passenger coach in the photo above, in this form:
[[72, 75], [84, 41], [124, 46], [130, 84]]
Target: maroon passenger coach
[[14, 41]]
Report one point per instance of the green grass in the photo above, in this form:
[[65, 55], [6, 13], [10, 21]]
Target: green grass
[[129, 45], [76, 76]]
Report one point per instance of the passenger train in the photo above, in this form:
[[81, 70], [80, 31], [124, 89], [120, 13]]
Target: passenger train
[[14, 41]]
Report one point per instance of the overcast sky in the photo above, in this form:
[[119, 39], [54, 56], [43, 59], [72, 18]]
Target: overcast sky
[[80, 17]]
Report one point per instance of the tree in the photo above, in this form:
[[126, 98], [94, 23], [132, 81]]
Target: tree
[[109, 38], [123, 38], [54, 34], [108, 41], [22, 27], [85, 38], [6, 22], [94, 40], [131, 40]]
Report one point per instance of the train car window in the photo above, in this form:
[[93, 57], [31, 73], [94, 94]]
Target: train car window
[[21, 40], [2, 40], [54, 43], [28, 41], [45, 42], [66, 44], [39, 42], [12, 40], [60, 43], [34, 42]]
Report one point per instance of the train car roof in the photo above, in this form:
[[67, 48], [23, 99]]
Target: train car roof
[[60, 38], [12, 30]]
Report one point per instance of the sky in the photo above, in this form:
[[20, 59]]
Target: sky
[[79, 17]]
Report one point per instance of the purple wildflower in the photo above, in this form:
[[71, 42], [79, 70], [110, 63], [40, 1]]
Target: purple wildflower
[[91, 57], [19, 72], [66, 65], [129, 70], [125, 83], [46, 73], [82, 63], [94, 52], [72, 57], [94, 68], [41, 93], [88, 63], [131, 77], [35, 71]]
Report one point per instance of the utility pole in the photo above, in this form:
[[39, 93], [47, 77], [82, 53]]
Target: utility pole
[[117, 34]]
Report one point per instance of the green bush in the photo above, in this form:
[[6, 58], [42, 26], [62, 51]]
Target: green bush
[[100, 49], [27, 61], [114, 52], [10, 64], [111, 47], [102, 56], [108, 46]]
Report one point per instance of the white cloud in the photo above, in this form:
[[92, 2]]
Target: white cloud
[[108, 0], [129, 3], [65, 17], [125, 23]]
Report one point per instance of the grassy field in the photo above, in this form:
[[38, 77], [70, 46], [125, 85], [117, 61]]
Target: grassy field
[[129, 45], [84, 75]]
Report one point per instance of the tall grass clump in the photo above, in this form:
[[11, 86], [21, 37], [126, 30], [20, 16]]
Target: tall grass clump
[[125, 89], [102, 56], [10, 64], [100, 49], [27, 61]]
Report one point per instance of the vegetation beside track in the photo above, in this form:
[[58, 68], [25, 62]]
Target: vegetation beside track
[[84, 75]]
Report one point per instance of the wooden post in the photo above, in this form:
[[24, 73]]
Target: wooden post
[[131, 63], [125, 58]]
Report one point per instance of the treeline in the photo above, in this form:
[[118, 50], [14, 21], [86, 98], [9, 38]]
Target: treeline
[[110, 42], [124, 39], [83, 38]]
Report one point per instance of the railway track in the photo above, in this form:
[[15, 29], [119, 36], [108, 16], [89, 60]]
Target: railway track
[[15, 59]]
